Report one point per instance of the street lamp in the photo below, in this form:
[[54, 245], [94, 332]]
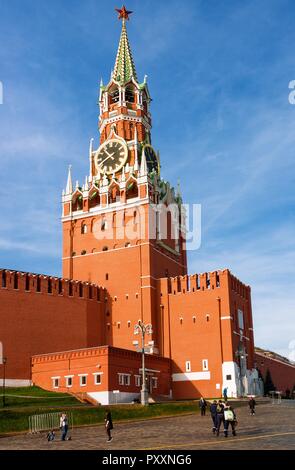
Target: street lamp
[[141, 328], [4, 360]]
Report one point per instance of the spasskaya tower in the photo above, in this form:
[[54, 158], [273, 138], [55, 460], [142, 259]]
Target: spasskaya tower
[[114, 234]]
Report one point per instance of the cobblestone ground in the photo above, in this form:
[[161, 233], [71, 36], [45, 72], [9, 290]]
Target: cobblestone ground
[[273, 427]]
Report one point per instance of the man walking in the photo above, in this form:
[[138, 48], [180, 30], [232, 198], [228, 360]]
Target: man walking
[[219, 416], [225, 393], [213, 411], [203, 406]]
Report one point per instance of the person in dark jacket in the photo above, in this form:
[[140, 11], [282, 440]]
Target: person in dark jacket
[[213, 411], [219, 416], [203, 406], [229, 419], [108, 425], [252, 404]]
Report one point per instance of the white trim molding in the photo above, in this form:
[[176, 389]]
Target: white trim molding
[[191, 376]]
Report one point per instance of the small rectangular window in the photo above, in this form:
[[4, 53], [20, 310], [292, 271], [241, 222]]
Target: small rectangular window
[[83, 380], [97, 379], [137, 380], [55, 382], [205, 364], [188, 366], [228, 377], [124, 379], [241, 319], [154, 382], [69, 381]]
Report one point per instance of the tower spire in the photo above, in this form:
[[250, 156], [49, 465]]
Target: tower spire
[[124, 66], [69, 188]]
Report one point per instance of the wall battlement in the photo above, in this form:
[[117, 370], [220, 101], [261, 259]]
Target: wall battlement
[[50, 285], [204, 282], [86, 352]]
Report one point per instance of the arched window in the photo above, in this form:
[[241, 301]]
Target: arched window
[[131, 190], [94, 199], [114, 95], [83, 228], [129, 95], [77, 204], [105, 248], [114, 194]]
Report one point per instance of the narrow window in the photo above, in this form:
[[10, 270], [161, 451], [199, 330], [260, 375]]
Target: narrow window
[[80, 290], [83, 380], [154, 382], [97, 379], [55, 382], [188, 366], [137, 381], [205, 364], [69, 381]]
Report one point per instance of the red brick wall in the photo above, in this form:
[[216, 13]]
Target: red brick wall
[[40, 322], [282, 375]]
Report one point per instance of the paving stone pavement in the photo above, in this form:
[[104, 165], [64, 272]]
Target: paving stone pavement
[[273, 427]]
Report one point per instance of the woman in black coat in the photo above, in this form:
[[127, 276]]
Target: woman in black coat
[[108, 425]]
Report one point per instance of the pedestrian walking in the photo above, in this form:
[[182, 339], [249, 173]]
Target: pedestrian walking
[[219, 416], [213, 411], [229, 419], [64, 426], [225, 393], [108, 425], [203, 406], [252, 404]]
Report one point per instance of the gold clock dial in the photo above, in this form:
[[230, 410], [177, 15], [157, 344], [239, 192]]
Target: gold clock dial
[[111, 156]]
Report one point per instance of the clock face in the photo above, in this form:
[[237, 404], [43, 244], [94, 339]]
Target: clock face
[[151, 159], [111, 156]]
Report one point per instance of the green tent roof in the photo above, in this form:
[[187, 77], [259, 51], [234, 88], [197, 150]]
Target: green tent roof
[[124, 65]]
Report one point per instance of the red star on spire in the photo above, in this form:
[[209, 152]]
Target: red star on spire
[[123, 13]]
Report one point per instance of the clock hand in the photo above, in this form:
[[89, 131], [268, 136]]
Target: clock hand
[[109, 156]]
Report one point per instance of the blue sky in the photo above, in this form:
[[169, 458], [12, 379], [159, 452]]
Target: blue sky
[[218, 73]]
